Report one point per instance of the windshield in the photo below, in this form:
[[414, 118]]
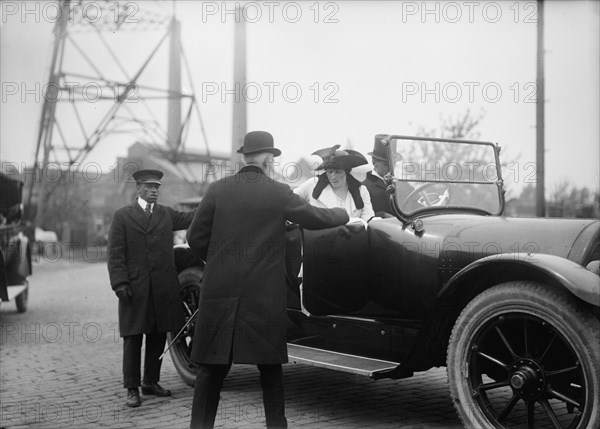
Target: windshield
[[445, 174]]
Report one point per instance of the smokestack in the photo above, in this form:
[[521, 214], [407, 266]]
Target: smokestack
[[174, 103]]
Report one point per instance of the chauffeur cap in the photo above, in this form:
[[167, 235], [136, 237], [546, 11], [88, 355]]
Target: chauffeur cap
[[379, 150], [148, 176]]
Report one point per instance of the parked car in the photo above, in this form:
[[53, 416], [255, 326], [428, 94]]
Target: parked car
[[510, 306], [15, 253]]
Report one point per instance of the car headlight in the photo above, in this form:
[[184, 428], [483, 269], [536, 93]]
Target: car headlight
[[594, 267]]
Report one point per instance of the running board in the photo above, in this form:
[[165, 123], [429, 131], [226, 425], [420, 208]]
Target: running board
[[338, 361]]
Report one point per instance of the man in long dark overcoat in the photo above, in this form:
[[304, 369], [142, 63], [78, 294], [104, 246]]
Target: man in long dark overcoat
[[142, 273], [239, 230]]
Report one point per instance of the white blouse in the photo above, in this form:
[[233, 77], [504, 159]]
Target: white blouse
[[328, 199]]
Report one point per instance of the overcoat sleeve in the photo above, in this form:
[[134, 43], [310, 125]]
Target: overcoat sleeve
[[198, 234], [181, 220], [117, 252], [301, 212]]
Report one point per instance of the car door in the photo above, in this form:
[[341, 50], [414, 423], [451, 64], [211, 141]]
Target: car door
[[335, 270]]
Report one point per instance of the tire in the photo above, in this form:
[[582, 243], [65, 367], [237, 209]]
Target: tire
[[190, 281], [523, 354], [21, 299]]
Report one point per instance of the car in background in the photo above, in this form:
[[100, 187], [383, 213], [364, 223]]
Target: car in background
[[15, 252], [510, 306]]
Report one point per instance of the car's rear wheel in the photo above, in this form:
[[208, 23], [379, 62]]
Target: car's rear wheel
[[190, 281], [523, 354]]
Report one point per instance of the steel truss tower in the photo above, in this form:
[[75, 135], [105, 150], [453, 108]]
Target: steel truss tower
[[95, 93]]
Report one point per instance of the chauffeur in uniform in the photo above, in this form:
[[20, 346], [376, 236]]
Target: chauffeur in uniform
[[380, 198], [239, 230], [143, 276]]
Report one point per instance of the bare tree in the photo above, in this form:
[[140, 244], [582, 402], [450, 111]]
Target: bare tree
[[463, 126], [567, 200]]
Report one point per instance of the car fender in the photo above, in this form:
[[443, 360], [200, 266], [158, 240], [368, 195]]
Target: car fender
[[184, 258], [3, 282], [429, 349], [17, 261], [556, 270]]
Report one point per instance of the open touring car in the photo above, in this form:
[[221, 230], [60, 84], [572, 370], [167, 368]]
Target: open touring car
[[509, 305]]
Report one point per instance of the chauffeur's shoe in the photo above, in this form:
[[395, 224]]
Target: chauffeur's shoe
[[154, 389], [133, 397]]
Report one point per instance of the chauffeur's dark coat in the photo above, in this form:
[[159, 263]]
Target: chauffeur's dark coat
[[140, 253], [239, 230], [380, 198]]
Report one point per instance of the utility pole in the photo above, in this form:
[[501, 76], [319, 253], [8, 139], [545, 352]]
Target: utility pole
[[239, 81], [540, 201]]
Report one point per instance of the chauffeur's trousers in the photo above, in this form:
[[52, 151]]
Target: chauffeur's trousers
[[209, 380], [132, 358]]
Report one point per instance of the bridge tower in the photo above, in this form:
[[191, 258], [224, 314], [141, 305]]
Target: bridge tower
[[106, 89]]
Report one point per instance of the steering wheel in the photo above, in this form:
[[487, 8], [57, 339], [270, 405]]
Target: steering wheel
[[427, 199]]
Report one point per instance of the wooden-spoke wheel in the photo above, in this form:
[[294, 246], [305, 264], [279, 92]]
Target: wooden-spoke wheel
[[190, 280], [525, 355]]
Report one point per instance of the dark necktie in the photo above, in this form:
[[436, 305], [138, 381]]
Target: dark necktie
[[148, 211]]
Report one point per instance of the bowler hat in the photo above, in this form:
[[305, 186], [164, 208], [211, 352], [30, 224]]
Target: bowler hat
[[258, 141], [334, 157], [380, 152], [148, 176]]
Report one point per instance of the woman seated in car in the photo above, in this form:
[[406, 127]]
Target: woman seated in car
[[336, 187]]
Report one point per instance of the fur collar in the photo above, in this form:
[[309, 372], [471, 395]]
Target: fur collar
[[353, 188]]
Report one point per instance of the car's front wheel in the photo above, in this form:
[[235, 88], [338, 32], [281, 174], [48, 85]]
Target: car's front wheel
[[523, 354], [190, 281]]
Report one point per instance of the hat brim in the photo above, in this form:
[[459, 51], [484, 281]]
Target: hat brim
[[147, 176], [347, 162], [381, 158], [273, 150]]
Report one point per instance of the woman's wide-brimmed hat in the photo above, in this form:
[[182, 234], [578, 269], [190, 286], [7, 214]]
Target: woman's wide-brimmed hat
[[258, 141], [344, 159]]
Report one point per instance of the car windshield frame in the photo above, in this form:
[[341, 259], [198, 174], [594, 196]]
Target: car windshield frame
[[392, 142]]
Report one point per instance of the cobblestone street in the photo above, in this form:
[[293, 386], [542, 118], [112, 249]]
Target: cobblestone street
[[60, 367]]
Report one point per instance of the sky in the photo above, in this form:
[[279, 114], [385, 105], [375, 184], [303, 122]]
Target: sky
[[324, 73]]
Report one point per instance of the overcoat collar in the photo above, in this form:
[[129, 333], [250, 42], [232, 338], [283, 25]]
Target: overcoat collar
[[353, 188], [377, 181], [138, 215], [251, 169]]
